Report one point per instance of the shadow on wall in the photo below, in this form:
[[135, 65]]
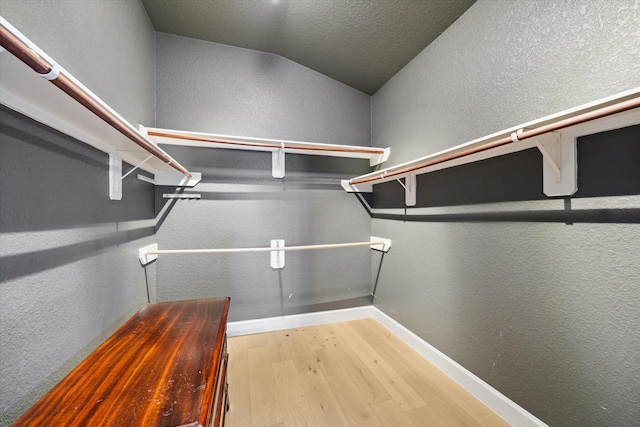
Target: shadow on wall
[[607, 166], [55, 207], [236, 175]]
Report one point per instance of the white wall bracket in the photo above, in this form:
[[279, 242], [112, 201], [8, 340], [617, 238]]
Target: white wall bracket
[[277, 162], [115, 176], [173, 179], [410, 188], [380, 158], [559, 164], [384, 247], [277, 257], [146, 258], [359, 188]]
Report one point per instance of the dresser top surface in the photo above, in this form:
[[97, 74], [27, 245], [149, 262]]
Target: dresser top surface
[[158, 368]]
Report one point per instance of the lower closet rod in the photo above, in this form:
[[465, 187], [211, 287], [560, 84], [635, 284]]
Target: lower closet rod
[[282, 248]]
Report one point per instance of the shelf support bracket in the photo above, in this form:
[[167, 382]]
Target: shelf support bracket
[[559, 164], [356, 188], [115, 176], [384, 247], [551, 160], [277, 162], [135, 167], [376, 159], [410, 187], [146, 258]]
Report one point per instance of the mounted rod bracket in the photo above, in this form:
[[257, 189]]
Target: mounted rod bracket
[[376, 159], [277, 257], [115, 176], [410, 189], [277, 162], [384, 247], [559, 164], [146, 258], [356, 188]]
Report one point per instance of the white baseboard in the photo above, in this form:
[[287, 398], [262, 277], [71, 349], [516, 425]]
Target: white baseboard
[[492, 398], [256, 326]]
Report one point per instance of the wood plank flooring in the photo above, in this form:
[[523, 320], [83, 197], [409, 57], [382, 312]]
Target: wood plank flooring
[[353, 373]]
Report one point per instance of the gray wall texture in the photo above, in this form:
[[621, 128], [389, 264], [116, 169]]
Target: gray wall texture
[[207, 87], [545, 312], [69, 274], [107, 45]]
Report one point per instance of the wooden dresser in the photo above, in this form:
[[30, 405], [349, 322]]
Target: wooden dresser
[[166, 366]]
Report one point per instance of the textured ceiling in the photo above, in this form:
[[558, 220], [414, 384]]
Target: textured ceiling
[[361, 43]]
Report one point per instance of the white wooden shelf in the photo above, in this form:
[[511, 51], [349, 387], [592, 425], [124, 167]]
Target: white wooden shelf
[[555, 136], [32, 94], [278, 148]]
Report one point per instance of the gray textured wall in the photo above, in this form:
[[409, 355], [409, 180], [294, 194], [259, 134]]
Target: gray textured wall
[[69, 272], [547, 313], [106, 45], [209, 87]]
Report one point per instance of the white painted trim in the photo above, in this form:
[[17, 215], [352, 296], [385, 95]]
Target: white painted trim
[[492, 398], [256, 326]]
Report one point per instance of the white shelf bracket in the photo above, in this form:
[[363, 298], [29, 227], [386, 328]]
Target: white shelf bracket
[[146, 258], [410, 188], [384, 247], [559, 164], [376, 159], [356, 188], [552, 159], [115, 176], [277, 257], [277, 162], [135, 167]]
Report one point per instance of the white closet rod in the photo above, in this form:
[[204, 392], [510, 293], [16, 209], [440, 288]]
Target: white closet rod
[[283, 248], [277, 249]]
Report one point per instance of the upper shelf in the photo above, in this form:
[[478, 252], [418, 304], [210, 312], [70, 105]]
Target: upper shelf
[[277, 147], [35, 85], [554, 135]]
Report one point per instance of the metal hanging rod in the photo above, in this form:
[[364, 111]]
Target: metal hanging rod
[[625, 102], [261, 143], [24, 50], [278, 148]]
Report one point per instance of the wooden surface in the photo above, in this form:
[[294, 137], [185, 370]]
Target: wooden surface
[[344, 374], [158, 369]]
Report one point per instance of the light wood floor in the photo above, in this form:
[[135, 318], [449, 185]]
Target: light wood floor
[[344, 374]]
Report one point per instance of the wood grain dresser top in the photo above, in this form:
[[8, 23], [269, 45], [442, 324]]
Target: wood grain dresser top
[[158, 369]]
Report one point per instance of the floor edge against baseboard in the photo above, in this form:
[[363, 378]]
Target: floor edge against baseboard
[[489, 396]]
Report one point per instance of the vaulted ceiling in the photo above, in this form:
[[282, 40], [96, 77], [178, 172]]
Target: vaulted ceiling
[[361, 43]]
